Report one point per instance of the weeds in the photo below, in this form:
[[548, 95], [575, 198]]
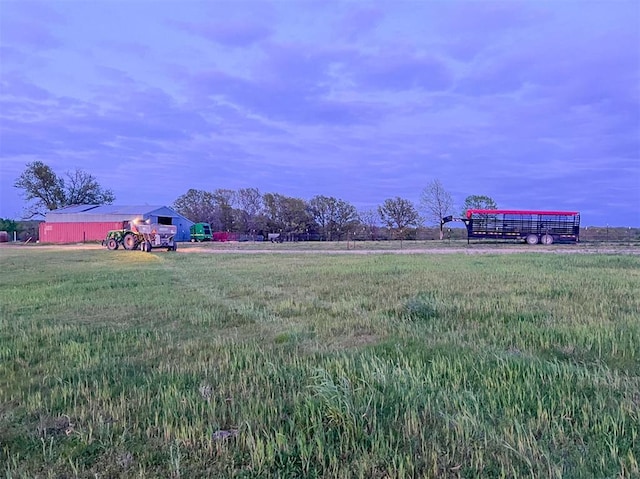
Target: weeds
[[135, 365]]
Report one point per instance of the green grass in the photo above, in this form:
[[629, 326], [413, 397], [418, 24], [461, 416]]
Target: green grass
[[126, 364]]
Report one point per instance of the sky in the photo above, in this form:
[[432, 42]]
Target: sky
[[533, 103]]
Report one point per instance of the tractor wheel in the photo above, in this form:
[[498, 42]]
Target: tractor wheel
[[547, 240], [532, 239], [130, 241], [112, 244]]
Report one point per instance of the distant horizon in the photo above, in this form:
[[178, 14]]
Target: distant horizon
[[454, 224], [535, 104]]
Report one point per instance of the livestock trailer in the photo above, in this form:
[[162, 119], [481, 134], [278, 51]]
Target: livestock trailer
[[546, 227]]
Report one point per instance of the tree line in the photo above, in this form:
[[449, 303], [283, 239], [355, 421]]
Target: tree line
[[249, 211]]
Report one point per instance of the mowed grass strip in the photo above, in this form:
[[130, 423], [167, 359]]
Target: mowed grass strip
[[124, 364]]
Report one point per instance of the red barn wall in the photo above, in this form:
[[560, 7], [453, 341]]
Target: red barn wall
[[76, 232]]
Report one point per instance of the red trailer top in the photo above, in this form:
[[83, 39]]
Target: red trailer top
[[521, 212]]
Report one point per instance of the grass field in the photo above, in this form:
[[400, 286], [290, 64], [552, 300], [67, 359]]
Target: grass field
[[127, 364]]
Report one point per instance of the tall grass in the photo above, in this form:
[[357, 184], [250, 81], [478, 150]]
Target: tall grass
[[124, 364]]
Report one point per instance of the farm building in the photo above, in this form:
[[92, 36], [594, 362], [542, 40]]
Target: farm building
[[79, 223]]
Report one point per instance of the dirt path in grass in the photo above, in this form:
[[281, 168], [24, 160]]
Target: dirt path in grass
[[360, 249], [466, 251]]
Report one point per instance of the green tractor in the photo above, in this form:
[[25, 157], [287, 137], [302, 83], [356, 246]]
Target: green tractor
[[125, 237]]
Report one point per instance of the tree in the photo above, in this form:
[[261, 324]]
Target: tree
[[320, 209], [197, 205], [334, 216], [437, 203], [84, 189], [369, 220], [50, 191], [223, 200], [344, 218], [250, 206], [214, 208], [478, 202], [285, 214], [8, 225], [398, 213]]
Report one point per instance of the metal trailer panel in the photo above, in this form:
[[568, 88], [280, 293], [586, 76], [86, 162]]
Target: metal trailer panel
[[76, 232], [156, 228], [470, 212]]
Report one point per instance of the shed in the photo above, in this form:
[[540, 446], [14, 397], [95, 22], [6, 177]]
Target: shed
[[79, 223]]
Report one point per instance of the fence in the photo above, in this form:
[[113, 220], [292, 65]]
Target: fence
[[587, 234]]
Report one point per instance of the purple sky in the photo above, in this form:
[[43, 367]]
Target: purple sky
[[534, 103]]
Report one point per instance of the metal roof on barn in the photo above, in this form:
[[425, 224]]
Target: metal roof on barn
[[104, 213], [106, 209]]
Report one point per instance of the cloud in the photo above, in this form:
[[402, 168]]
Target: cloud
[[16, 87], [230, 33], [297, 98], [29, 34], [359, 22], [397, 71], [490, 18], [30, 24], [495, 76], [133, 48]]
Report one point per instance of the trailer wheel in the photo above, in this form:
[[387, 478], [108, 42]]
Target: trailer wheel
[[532, 239], [112, 244], [130, 242], [547, 239]]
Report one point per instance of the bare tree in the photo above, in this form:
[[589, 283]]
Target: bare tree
[[82, 188], [50, 192], [436, 203]]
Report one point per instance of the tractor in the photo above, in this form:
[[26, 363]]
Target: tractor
[[143, 236], [128, 237]]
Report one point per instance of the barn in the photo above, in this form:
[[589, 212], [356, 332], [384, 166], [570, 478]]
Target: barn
[[80, 223]]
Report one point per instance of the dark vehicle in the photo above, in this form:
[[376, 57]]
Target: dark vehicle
[[546, 227]]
